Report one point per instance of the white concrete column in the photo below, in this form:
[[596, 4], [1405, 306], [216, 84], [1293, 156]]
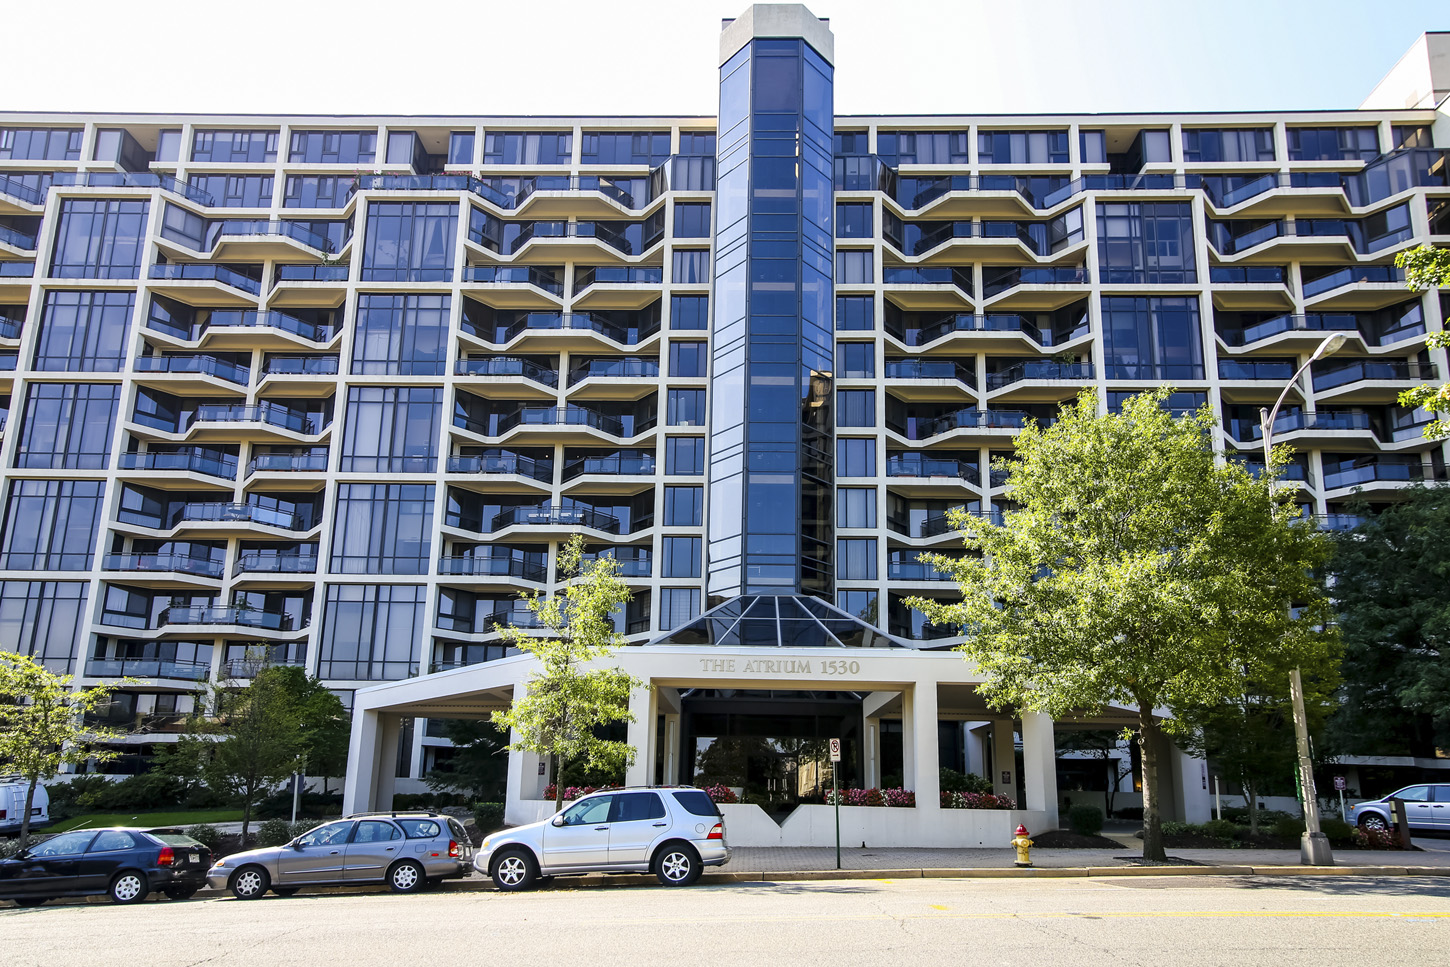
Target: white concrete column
[[641, 735], [1004, 759], [1039, 765], [671, 750], [871, 753], [385, 775], [362, 750], [908, 738], [927, 783], [1190, 777], [525, 780]]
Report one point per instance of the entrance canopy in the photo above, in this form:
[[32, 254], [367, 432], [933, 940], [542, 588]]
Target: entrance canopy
[[782, 621]]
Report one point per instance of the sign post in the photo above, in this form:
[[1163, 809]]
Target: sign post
[[1339, 785], [836, 789]]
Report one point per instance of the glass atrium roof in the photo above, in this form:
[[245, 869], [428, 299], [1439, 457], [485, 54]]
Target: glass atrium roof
[[779, 620]]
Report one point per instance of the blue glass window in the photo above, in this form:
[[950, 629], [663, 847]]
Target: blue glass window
[[684, 506], [68, 426], [410, 242], [528, 148], [44, 619], [84, 331], [862, 604], [1333, 144], [855, 457], [51, 525], [318, 191], [855, 267], [40, 144], [689, 312], [851, 144], [400, 335], [923, 147], [855, 313], [856, 360], [684, 456], [678, 606], [680, 557], [236, 191], [856, 506], [697, 142], [853, 220], [99, 239], [231, 147], [1157, 339], [685, 407], [382, 529], [692, 220], [855, 407], [460, 147], [168, 145], [1228, 144], [688, 359], [371, 632], [692, 266], [623, 148], [333, 147], [392, 429], [1093, 147], [1022, 147], [856, 559], [1148, 243]]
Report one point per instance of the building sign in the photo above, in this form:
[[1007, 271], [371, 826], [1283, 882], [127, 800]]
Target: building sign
[[771, 666]]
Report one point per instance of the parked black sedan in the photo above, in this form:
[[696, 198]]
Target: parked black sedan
[[123, 863]]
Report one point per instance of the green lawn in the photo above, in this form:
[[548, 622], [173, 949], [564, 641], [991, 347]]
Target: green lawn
[[181, 817]]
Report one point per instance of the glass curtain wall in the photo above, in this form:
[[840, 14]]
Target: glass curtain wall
[[770, 525]]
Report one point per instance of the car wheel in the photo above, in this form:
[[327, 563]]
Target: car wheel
[[1373, 821], [128, 887], [286, 890], [677, 865], [31, 901], [250, 882], [406, 877], [514, 869], [180, 892]]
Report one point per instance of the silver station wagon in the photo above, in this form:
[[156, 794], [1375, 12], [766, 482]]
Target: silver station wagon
[[407, 851], [671, 831]]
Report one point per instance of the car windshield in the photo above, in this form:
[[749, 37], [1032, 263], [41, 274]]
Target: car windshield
[[333, 834], [64, 844]]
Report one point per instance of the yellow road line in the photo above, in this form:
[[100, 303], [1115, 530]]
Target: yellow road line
[[1081, 914]]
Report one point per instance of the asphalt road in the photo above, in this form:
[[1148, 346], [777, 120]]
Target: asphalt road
[[1148, 921]]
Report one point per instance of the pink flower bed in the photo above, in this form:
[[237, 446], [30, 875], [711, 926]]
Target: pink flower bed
[[872, 797], [976, 800]]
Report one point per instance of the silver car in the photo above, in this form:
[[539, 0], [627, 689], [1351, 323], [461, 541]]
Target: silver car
[[407, 851], [671, 831], [1427, 806]]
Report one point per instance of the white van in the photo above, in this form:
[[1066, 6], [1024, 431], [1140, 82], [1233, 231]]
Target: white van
[[12, 805]]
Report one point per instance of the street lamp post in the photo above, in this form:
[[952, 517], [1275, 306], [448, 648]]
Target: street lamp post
[[1314, 845]]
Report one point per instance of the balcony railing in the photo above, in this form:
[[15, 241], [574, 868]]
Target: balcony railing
[[143, 179], [568, 416], [17, 270], [242, 617], [206, 272], [1337, 476], [261, 227], [225, 512], [17, 239], [1297, 420], [193, 461], [273, 562], [1371, 369], [628, 367], [505, 463], [555, 517], [10, 327], [176, 563], [1310, 322], [271, 319], [924, 465], [187, 671], [969, 419], [539, 278], [1246, 275], [586, 276], [914, 571], [287, 463], [930, 369], [507, 366], [199, 365], [1037, 370], [268, 413], [1353, 275], [915, 275], [582, 321], [479, 566], [1013, 277], [640, 464], [1244, 369], [301, 366]]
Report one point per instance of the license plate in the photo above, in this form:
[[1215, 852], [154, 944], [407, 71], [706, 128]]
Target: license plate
[[194, 857]]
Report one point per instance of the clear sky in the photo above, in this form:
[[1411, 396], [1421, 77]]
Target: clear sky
[[658, 56]]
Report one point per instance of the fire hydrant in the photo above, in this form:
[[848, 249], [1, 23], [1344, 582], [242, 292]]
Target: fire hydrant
[[1022, 844]]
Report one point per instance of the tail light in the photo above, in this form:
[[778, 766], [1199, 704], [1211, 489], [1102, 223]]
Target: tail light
[[453, 848], [2, 814], [167, 856], [718, 832]]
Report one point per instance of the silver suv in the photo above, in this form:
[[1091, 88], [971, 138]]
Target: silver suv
[[671, 831], [407, 851], [1427, 806]]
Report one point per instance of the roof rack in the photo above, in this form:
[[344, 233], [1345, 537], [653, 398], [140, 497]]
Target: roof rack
[[398, 812]]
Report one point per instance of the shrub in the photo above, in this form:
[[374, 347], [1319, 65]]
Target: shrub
[[1338, 831], [149, 790], [1287, 828], [205, 834], [1221, 829], [301, 826], [204, 797], [279, 805], [274, 832], [719, 794], [570, 792], [1375, 839], [1180, 829], [872, 797], [9, 847], [976, 800], [488, 816], [1085, 820], [954, 781], [579, 773]]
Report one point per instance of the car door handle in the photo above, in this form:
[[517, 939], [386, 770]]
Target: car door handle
[[658, 825], [334, 852], [389, 849], [600, 829]]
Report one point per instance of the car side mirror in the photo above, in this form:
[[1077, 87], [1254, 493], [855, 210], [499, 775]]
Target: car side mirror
[[558, 820], [23, 854], [296, 844]]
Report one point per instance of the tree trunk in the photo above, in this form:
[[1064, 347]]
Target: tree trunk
[[246, 819], [1148, 745], [1112, 769], [1251, 796], [558, 786], [25, 817]]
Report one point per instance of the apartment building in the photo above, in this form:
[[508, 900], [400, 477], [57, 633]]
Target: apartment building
[[334, 390]]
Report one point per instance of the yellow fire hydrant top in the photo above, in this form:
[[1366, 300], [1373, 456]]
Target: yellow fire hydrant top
[[1022, 844]]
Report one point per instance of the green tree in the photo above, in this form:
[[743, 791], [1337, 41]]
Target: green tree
[[479, 766], [324, 728], [1390, 578], [42, 724], [1140, 570], [1428, 268], [567, 700]]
